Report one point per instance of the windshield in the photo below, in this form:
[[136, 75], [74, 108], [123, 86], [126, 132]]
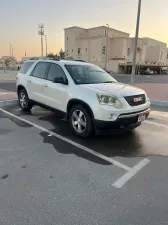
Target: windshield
[[89, 74]]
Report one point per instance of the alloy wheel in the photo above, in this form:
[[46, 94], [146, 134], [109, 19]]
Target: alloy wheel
[[79, 121], [23, 99]]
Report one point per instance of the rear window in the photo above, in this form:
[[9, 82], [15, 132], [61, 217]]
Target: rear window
[[26, 66]]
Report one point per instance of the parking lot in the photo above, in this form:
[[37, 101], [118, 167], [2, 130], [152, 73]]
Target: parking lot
[[49, 176]]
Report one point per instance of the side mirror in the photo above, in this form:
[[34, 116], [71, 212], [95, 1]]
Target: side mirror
[[60, 80]]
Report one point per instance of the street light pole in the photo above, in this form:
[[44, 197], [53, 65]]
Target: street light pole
[[10, 49], [106, 47], [41, 33], [135, 44], [46, 43]]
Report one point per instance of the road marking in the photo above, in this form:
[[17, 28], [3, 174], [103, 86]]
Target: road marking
[[114, 162], [156, 124], [127, 176]]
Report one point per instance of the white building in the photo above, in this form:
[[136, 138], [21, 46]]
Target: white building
[[90, 45]]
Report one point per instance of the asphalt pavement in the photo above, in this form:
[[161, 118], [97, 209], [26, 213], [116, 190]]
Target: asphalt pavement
[[160, 79], [10, 86], [50, 176]]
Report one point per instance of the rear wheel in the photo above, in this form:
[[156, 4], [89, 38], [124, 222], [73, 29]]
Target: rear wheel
[[80, 121], [24, 101]]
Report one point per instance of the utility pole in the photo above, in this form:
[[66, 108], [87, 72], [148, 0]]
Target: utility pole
[[135, 44], [46, 43], [106, 47], [41, 33]]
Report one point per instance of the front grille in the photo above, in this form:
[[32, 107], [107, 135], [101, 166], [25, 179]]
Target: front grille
[[131, 102]]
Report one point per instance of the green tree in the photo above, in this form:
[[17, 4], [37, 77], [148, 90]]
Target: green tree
[[51, 55], [61, 54], [7, 62]]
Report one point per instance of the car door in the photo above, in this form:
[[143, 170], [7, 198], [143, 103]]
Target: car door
[[36, 81], [55, 93]]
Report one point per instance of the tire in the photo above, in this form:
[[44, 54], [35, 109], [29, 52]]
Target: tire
[[80, 121], [24, 101]]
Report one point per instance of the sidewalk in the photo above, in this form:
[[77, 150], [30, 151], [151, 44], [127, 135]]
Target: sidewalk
[[7, 98], [158, 93]]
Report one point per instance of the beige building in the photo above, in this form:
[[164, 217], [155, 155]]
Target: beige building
[[90, 45]]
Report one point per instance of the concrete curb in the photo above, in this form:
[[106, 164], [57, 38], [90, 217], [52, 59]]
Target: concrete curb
[[158, 103], [8, 103]]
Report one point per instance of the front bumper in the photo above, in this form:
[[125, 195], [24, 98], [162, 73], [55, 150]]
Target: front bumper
[[124, 122]]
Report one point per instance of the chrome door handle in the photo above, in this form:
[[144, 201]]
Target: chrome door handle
[[45, 85]]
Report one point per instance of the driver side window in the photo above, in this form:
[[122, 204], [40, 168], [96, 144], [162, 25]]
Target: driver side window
[[55, 71]]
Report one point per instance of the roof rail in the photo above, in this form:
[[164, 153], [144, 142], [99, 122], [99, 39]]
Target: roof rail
[[79, 60], [44, 58]]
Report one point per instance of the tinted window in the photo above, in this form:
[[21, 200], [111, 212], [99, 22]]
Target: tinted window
[[89, 74], [55, 71], [26, 66], [40, 70]]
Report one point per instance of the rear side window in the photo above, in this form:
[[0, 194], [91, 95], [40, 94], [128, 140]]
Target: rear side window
[[26, 66], [40, 70], [55, 71]]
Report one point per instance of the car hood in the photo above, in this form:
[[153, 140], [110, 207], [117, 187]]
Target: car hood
[[116, 89]]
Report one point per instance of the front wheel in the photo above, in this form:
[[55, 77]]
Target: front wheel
[[80, 121], [24, 101]]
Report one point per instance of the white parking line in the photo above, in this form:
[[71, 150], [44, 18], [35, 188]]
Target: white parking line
[[127, 176], [121, 165]]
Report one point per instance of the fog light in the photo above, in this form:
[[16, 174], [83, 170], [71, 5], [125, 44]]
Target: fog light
[[113, 117]]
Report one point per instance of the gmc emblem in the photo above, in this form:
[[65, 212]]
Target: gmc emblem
[[138, 99]]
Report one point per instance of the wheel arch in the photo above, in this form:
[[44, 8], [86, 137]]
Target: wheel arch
[[74, 102], [19, 88]]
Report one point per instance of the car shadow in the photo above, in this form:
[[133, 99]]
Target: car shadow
[[127, 144]]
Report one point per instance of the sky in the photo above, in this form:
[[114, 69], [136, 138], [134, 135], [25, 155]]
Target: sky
[[19, 21]]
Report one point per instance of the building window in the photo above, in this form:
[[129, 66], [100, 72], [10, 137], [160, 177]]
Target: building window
[[138, 49], [72, 50], [103, 50], [86, 50], [67, 38], [128, 51], [79, 51], [160, 56]]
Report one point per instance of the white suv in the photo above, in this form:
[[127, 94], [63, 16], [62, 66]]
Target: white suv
[[91, 99]]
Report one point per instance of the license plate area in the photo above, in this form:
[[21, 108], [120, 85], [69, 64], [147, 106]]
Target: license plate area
[[141, 117]]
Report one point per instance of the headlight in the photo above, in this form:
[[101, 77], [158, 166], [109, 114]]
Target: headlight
[[109, 100]]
